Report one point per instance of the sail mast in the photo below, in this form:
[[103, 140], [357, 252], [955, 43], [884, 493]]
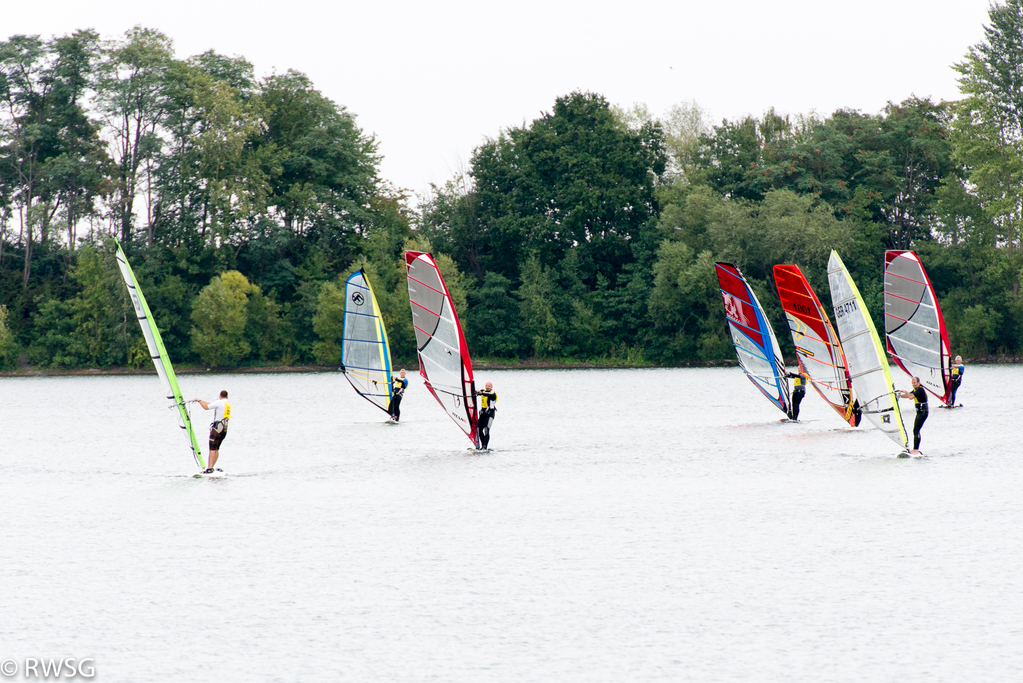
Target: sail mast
[[158, 353]]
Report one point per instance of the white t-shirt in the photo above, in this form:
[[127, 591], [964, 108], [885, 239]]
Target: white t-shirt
[[217, 407]]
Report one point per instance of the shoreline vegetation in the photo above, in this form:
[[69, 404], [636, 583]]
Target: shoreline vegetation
[[478, 367], [586, 237]]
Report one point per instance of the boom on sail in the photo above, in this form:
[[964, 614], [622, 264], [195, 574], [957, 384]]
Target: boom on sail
[[158, 353], [868, 366], [755, 344], [444, 361]]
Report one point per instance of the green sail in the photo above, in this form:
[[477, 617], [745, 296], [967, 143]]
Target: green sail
[[158, 353]]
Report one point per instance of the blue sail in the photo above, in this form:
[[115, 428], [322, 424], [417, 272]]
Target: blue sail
[[365, 354], [753, 338]]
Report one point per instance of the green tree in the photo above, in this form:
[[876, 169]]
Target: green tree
[[105, 324], [8, 344], [574, 179], [28, 136], [977, 329], [729, 155], [327, 164], [328, 323], [492, 324], [265, 330], [451, 219], [132, 98], [219, 316], [988, 124], [684, 125], [54, 338], [537, 309], [234, 181], [685, 307], [51, 159]]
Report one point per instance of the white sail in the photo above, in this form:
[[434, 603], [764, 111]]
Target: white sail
[[868, 367]]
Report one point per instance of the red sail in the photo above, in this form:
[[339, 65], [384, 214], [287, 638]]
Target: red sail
[[817, 346]]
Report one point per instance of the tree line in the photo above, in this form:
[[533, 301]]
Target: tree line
[[589, 233]]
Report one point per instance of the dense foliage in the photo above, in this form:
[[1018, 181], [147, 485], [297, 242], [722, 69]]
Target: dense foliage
[[588, 233]]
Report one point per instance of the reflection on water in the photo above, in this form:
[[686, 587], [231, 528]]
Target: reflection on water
[[629, 525]]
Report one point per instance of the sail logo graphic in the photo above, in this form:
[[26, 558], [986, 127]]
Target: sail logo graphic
[[136, 303], [358, 298], [733, 309]]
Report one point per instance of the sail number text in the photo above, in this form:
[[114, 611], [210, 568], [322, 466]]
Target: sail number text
[[845, 309]]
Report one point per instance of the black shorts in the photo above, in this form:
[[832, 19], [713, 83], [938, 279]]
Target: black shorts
[[216, 438]]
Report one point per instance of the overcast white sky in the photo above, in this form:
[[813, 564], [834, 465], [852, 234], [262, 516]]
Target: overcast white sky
[[433, 79]]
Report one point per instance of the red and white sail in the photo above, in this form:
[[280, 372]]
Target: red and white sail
[[914, 327], [444, 361], [817, 347]]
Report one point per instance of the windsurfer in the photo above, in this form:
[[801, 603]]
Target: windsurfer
[[218, 430], [957, 378], [400, 384], [798, 392], [487, 413], [856, 412], [919, 397]]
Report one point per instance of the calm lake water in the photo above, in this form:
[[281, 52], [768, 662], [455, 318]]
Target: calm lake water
[[630, 525]]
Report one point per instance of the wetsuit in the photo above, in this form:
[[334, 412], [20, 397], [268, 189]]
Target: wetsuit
[[957, 379], [394, 407], [920, 398], [488, 410], [798, 392]]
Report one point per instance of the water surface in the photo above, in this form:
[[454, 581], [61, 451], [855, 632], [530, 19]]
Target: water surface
[[630, 525]]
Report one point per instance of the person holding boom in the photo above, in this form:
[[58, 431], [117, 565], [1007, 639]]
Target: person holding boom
[[919, 397], [488, 410], [218, 430]]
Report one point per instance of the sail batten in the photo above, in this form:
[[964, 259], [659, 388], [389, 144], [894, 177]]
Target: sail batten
[[158, 353], [868, 369], [915, 331], [444, 362], [365, 353]]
